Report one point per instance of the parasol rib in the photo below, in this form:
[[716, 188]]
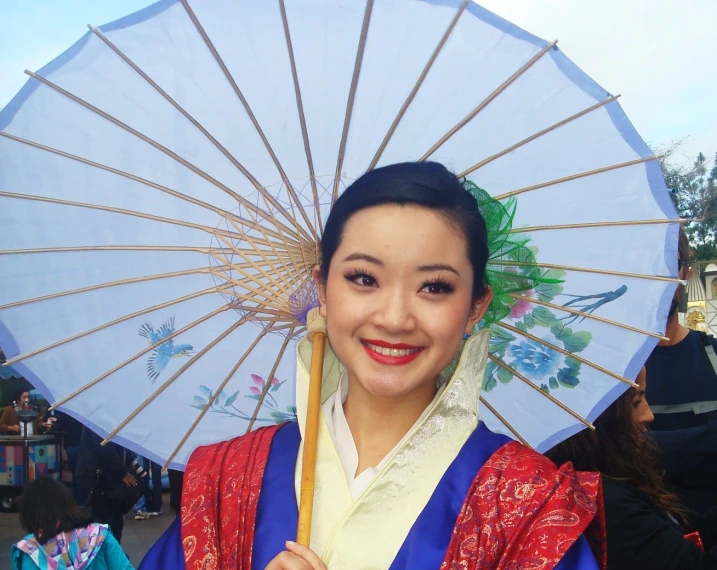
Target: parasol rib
[[179, 108], [352, 96], [301, 249], [269, 378], [131, 316], [597, 225], [588, 316], [265, 259], [214, 397], [504, 421], [589, 270], [302, 117], [417, 86], [227, 74], [142, 352], [272, 297], [576, 177], [79, 248], [149, 183], [213, 231], [166, 151], [502, 87], [537, 135], [566, 353], [107, 284], [176, 375], [282, 288], [550, 397]]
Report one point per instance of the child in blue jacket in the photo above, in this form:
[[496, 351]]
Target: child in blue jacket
[[61, 534]]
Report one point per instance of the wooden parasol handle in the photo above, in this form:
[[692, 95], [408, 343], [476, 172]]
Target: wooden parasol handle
[[317, 333]]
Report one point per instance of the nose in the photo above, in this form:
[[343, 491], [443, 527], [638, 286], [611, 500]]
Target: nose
[[394, 313]]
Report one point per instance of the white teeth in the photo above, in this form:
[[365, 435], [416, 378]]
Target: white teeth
[[392, 351]]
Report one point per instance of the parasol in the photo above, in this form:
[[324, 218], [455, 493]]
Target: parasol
[[167, 178]]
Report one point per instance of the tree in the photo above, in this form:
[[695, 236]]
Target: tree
[[694, 193]]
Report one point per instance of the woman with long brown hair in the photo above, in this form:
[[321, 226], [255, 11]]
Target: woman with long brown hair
[[646, 525]]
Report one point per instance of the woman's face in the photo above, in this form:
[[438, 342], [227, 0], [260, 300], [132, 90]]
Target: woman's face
[[398, 299], [641, 413]]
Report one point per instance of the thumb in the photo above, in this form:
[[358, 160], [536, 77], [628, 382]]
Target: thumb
[[307, 554]]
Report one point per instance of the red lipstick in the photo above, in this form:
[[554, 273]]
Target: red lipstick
[[392, 354]]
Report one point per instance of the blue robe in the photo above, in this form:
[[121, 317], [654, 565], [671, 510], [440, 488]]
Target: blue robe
[[426, 544]]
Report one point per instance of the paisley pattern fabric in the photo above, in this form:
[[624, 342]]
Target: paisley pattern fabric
[[523, 513], [520, 513], [219, 501]]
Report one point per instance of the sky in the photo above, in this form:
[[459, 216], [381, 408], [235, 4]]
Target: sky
[[660, 55]]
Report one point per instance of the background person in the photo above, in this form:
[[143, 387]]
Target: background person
[[61, 534], [683, 396], [646, 525]]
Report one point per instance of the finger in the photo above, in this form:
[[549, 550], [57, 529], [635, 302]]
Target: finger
[[307, 554]]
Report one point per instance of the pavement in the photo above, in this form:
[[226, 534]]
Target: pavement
[[137, 536]]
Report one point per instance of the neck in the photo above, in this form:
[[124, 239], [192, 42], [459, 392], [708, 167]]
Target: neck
[[377, 424], [674, 331]]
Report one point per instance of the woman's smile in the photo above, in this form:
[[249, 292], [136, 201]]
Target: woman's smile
[[392, 354]]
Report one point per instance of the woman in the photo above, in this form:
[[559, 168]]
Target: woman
[[406, 477], [646, 526], [62, 535]]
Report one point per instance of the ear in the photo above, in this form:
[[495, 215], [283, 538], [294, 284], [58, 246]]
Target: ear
[[320, 288], [480, 306]]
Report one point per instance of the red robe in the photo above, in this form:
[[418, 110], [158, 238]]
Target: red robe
[[520, 513]]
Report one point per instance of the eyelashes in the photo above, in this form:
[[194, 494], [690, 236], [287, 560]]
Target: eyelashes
[[433, 286]]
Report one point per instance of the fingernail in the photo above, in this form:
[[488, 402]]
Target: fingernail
[[290, 542]]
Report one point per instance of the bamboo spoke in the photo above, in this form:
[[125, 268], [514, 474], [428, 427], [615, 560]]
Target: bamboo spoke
[[596, 225], [28, 355], [502, 87], [176, 375], [417, 86], [550, 397], [537, 135], [352, 96], [302, 116], [566, 353], [177, 106], [79, 248], [302, 252], [588, 316], [214, 397], [109, 284], [278, 288], [150, 184], [589, 270], [164, 150], [212, 231], [254, 121], [575, 177], [186, 366], [141, 353], [267, 385], [251, 243], [505, 422]]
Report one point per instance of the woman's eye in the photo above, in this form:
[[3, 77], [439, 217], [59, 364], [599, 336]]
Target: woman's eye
[[363, 280], [436, 288]]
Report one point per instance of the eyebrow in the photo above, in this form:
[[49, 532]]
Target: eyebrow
[[424, 268], [438, 267], [364, 257]]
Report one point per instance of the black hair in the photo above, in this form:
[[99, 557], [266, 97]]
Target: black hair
[[620, 449], [48, 508], [19, 392], [427, 184]]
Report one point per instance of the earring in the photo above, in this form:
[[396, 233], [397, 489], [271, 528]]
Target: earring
[[466, 336]]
